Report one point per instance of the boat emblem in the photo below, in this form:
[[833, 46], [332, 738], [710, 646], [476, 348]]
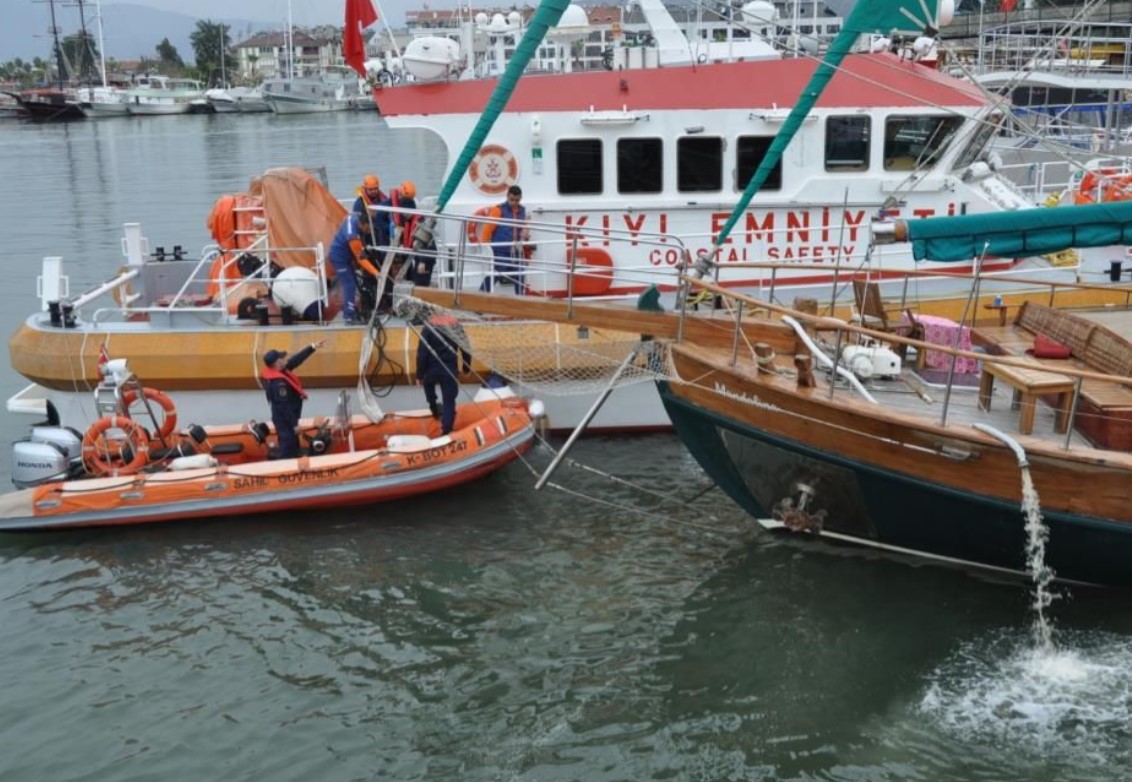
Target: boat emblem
[[494, 169]]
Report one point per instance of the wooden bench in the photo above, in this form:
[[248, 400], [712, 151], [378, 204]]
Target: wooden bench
[[1104, 412], [1028, 385]]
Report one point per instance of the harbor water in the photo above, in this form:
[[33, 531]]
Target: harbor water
[[625, 623]]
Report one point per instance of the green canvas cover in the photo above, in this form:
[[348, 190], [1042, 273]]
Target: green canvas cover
[[1021, 233]]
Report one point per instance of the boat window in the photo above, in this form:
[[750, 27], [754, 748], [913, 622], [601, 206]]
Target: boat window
[[847, 143], [699, 164], [750, 151], [917, 142], [979, 140], [579, 166], [640, 166]]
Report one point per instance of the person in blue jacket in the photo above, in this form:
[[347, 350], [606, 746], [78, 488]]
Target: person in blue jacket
[[439, 356], [285, 395], [348, 251], [508, 242]]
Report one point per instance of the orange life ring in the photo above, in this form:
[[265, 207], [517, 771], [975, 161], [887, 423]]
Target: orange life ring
[[494, 169], [593, 271], [169, 421], [100, 458], [473, 228]]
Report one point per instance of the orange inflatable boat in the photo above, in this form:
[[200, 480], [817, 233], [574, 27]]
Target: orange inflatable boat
[[121, 472]]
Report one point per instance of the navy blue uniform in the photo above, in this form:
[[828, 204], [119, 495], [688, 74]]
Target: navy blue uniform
[[438, 364], [285, 395]]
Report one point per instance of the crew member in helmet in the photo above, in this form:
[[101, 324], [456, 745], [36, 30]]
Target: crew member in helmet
[[348, 251], [507, 241], [402, 228], [285, 395], [369, 194]]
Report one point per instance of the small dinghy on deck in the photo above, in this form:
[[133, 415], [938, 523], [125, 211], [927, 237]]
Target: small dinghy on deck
[[123, 471]]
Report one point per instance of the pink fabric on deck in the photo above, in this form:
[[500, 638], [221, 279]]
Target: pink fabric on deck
[[942, 331]]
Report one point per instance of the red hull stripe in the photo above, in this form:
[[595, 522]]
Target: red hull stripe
[[864, 81]]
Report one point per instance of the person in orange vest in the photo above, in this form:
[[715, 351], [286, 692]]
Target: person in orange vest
[[404, 196], [507, 241], [285, 395]]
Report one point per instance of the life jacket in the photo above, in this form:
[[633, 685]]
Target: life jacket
[[407, 223], [503, 234], [292, 379]]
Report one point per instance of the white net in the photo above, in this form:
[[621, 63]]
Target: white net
[[550, 357]]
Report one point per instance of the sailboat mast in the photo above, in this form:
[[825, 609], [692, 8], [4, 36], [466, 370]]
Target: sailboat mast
[[290, 37], [83, 52], [60, 63], [101, 43]]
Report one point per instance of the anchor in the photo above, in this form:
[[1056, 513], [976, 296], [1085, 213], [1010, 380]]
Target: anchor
[[795, 516]]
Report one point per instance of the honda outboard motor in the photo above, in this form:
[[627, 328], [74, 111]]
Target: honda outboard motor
[[50, 454]]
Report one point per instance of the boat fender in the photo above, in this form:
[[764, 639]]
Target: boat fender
[[169, 423], [128, 458], [194, 462]]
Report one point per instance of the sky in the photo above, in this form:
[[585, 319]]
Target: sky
[[303, 12]]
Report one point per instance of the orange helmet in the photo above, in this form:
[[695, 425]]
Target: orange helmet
[[408, 189], [371, 182]]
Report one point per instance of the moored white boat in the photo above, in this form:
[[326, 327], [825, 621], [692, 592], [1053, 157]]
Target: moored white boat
[[650, 151], [108, 101], [249, 100], [222, 100], [157, 94], [332, 89]]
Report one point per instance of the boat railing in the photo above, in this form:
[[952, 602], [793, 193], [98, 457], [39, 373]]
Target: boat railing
[[231, 281], [559, 260], [1053, 179], [843, 333], [1014, 285]]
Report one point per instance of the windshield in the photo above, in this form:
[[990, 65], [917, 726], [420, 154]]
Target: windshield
[[917, 142]]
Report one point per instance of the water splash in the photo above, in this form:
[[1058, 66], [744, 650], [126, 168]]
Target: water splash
[[1071, 705], [1037, 535]]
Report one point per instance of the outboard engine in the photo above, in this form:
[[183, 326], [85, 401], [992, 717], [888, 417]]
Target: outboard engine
[[50, 454]]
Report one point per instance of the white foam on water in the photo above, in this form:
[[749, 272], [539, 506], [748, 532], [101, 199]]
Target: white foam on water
[[1074, 700]]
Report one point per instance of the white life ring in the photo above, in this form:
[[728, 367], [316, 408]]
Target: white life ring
[[494, 169]]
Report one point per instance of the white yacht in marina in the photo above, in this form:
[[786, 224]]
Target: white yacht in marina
[[104, 101], [164, 95], [334, 88]]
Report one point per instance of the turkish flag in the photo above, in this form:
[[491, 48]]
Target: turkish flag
[[359, 15], [1006, 6]]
